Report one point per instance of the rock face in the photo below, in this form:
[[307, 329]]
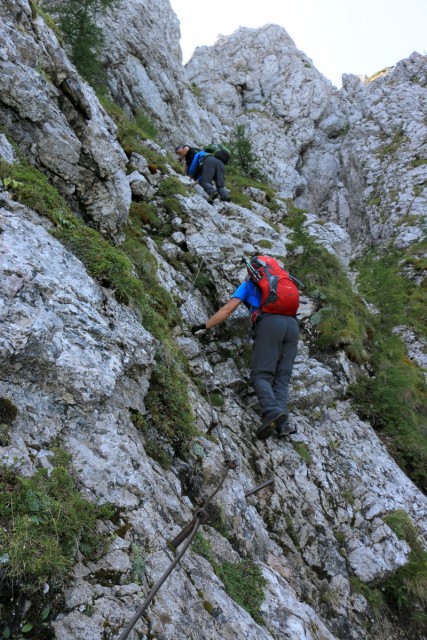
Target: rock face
[[144, 70], [258, 78], [77, 364], [355, 156], [384, 152], [56, 120]]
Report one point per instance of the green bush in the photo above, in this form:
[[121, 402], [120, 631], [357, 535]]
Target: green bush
[[113, 268], [169, 408], [168, 426], [237, 182], [404, 593], [133, 131], [302, 451], [139, 556], [243, 581], [392, 146], [171, 186], [202, 546], [145, 212], [373, 595], [170, 419]]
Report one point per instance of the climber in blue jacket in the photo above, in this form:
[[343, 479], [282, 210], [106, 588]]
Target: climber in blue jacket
[[274, 352], [205, 169]]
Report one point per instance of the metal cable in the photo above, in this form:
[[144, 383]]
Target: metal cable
[[158, 584], [192, 533], [204, 361]]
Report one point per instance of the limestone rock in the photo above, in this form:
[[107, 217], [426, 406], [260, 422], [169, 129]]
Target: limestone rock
[[77, 365], [57, 121]]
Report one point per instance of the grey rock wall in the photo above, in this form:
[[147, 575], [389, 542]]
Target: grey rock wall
[[56, 120], [144, 68], [75, 362]]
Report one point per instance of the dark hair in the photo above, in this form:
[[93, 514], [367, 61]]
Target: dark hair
[[180, 146]]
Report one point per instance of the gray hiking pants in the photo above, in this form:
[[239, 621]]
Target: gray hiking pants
[[213, 170], [274, 351]]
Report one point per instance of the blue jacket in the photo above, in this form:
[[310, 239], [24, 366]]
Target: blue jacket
[[195, 169], [249, 294]]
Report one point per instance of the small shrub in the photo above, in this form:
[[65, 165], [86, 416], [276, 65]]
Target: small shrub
[[173, 208], [204, 283], [218, 521], [243, 581], [342, 318], [155, 445], [393, 398], [243, 156], [171, 186], [146, 212], [208, 606], [195, 90], [373, 595], [169, 406], [216, 399], [393, 145], [418, 162], [133, 131], [407, 587], [8, 411], [237, 182], [77, 21], [51, 24], [4, 435], [130, 271], [114, 269], [202, 546], [139, 556], [169, 425], [264, 244], [145, 125]]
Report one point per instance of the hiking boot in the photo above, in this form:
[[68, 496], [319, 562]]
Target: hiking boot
[[283, 428], [224, 194], [213, 196], [267, 427]]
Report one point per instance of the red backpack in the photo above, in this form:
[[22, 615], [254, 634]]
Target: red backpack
[[279, 294]]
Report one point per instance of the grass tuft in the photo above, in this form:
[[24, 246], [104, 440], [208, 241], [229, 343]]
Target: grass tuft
[[45, 524], [341, 319], [31, 187], [393, 398], [244, 583], [404, 593]]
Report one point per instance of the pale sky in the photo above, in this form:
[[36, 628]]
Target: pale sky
[[340, 36]]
